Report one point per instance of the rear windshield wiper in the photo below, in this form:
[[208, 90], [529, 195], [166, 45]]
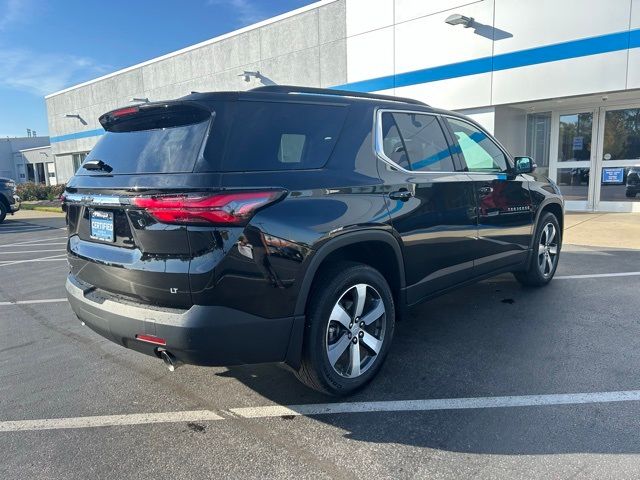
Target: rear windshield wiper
[[97, 165]]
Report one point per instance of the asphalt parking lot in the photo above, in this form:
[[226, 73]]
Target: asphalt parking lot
[[490, 381]]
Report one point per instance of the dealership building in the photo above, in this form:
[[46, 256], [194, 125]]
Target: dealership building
[[556, 80], [27, 159]]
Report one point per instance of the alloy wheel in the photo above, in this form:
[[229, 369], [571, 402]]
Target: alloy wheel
[[548, 250], [356, 330]]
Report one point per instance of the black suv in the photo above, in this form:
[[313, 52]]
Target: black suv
[[294, 225], [9, 201]]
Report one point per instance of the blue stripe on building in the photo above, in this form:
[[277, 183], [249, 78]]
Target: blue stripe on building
[[76, 135], [583, 47], [533, 56]]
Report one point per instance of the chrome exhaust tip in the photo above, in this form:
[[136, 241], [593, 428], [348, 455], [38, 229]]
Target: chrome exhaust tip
[[169, 360]]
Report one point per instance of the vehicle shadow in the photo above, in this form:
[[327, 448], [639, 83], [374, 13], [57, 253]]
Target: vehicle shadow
[[497, 338]]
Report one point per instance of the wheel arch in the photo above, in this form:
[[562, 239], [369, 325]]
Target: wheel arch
[[555, 207], [355, 246], [344, 247]]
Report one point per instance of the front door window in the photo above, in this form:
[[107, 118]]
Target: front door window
[[480, 153]]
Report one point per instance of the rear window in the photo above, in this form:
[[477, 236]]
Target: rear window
[[162, 140], [268, 136]]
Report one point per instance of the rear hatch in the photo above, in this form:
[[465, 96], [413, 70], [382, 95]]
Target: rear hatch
[[167, 191], [115, 246]]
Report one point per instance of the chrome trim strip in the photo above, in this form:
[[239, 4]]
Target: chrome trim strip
[[92, 199]]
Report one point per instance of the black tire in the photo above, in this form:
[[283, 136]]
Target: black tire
[[630, 194], [3, 211], [539, 272], [338, 286]]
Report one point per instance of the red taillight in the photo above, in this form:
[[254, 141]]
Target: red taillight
[[224, 208], [124, 111], [151, 339]]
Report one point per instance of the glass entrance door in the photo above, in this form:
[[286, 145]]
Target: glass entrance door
[[618, 159], [572, 156], [595, 157]]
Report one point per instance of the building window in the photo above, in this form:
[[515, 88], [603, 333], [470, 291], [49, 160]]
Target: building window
[[77, 159], [539, 139]]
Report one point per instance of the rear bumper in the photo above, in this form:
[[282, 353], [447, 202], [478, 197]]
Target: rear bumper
[[201, 335]]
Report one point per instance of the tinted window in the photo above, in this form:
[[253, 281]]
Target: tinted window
[[416, 142], [574, 142], [278, 135], [622, 134], [291, 147], [392, 143], [162, 150], [479, 151]]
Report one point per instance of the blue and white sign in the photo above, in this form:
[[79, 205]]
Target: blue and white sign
[[612, 175], [578, 143], [102, 226]]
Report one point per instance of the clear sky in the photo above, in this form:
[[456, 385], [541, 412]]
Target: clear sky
[[48, 45]]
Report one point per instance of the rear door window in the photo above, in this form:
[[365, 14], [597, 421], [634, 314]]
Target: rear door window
[[267, 136], [416, 142]]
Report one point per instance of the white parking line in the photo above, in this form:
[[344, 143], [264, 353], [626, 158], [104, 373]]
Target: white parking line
[[32, 242], [108, 420], [30, 302], [323, 409], [32, 251], [597, 275], [52, 258], [33, 245], [16, 231], [26, 225], [438, 404]]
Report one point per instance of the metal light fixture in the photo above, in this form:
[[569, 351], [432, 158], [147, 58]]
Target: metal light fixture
[[75, 115], [457, 19], [248, 74]]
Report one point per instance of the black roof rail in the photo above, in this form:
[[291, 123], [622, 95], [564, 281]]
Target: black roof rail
[[339, 93]]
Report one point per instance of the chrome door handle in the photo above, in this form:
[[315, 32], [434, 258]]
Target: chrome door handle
[[402, 195]]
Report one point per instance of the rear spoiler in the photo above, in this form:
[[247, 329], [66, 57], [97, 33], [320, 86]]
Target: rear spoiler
[[154, 115]]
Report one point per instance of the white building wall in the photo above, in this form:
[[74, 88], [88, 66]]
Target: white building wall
[[546, 22], [511, 129], [64, 168], [427, 42], [633, 71], [416, 32]]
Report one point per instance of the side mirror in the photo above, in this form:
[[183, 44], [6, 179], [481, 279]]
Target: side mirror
[[524, 165]]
